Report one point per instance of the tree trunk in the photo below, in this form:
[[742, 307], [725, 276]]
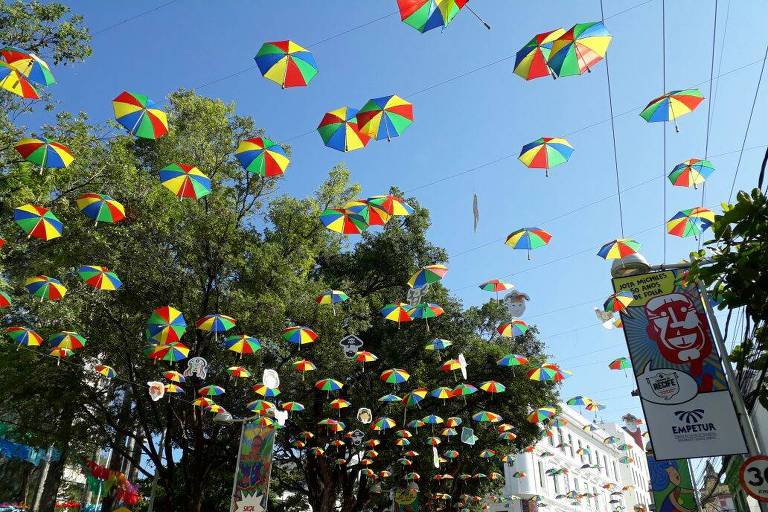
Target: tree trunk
[[56, 469]]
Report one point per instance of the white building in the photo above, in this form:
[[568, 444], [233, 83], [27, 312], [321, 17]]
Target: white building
[[585, 467]]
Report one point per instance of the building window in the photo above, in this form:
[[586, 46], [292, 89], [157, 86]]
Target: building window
[[605, 465], [580, 451], [541, 475], [551, 439], [556, 483], [570, 444], [615, 471]]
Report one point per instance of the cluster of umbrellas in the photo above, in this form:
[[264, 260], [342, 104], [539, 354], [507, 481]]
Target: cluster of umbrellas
[[358, 215], [22, 72], [559, 53], [347, 129]]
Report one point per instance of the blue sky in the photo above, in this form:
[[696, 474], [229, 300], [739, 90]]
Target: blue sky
[[477, 121]]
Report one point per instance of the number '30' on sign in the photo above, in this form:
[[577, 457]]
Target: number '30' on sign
[[753, 476]]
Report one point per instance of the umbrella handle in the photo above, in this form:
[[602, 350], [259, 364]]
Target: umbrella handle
[[478, 17]]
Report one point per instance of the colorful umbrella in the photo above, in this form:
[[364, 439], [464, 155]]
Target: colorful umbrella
[[100, 207], [382, 423], [578, 49], [242, 344], [60, 353], [12, 80], [203, 402], [541, 414], [443, 393], [691, 173], [46, 154], [531, 60], [45, 287], [175, 376], [621, 363], [547, 373], [166, 324], [386, 117], [579, 400], [513, 329], [427, 275], [215, 323], [260, 406], [619, 248], [424, 15], [339, 130], [690, 222], [185, 181], [28, 64], [594, 407], [303, 366], [395, 376], [413, 398], [438, 344], [392, 204], [364, 356], [389, 398], [397, 312], [238, 372], [545, 153], [106, 371], [332, 297], [491, 386], [507, 436], [5, 300], [618, 301], [264, 390], [512, 360], [374, 215], [286, 63], [299, 335], [328, 385], [138, 114], [528, 239], [487, 454], [463, 390], [210, 391], [496, 286], [262, 156], [486, 416], [425, 311], [24, 336], [672, 105], [67, 339], [340, 403], [341, 220], [100, 278], [172, 352], [38, 222]]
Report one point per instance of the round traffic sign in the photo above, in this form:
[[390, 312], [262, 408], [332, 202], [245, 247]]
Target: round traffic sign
[[753, 476]]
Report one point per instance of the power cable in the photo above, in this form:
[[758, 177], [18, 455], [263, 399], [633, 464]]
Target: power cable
[[664, 127], [709, 103], [131, 18]]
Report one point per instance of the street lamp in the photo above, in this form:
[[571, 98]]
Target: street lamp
[[630, 265]]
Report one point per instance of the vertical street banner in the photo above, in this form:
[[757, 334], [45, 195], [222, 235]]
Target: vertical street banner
[[254, 465], [678, 369], [671, 485]]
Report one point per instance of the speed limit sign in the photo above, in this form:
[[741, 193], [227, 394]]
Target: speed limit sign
[[753, 476]]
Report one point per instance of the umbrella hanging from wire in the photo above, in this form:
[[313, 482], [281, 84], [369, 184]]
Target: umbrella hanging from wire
[[140, 116], [690, 173], [672, 105], [531, 59], [286, 63], [528, 239], [690, 222]]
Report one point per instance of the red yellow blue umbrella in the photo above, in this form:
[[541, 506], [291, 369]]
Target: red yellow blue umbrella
[[373, 214], [67, 339], [12, 80], [166, 324], [332, 297], [211, 390], [339, 130], [106, 371], [386, 117], [486, 416], [341, 220], [425, 311], [186, 181], [60, 353], [101, 207], [513, 329], [672, 105], [491, 386], [45, 287], [528, 239], [618, 301], [531, 60], [395, 376], [99, 277], [690, 222], [545, 153], [260, 406], [579, 49], [262, 156], [427, 275], [619, 248], [541, 414], [299, 335], [46, 154], [264, 390], [171, 352], [383, 423], [496, 285], [424, 15], [174, 376], [242, 344], [215, 323], [140, 116], [24, 336], [5, 300], [28, 64], [38, 222], [286, 63], [304, 366], [392, 204], [238, 372], [690, 173], [397, 312]]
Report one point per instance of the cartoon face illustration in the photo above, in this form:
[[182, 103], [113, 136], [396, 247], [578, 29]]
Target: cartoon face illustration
[[198, 367], [515, 301], [156, 390], [677, 328], [350, 345]]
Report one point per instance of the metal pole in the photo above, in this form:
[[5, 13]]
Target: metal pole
[[43, 478], [237, 468], [152, 495], [753, 443]]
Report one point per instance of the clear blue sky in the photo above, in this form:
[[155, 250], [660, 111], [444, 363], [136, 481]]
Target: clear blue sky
[[470, 121]]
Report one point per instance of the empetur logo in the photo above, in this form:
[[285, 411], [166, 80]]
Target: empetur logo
[[693, 422], [693, 416]]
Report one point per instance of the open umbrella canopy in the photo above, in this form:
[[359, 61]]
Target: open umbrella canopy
[[438, 344], [262, 156], [328, 385], [397, 312], [491, 386], [373, 214], [619, 248], [383, 423], [413, 398], [512, 360], [292, 406], [186, 181], [579, 400], [211, 390], [166, 324], [67, 339], [541, 414], [298, 335], [100, 207], [425, 310], [363, 356], [24, 336], [242, 344], [215, 323], [5, 300], [340, 403], [344, 221], [31, 66], [286, 63], [395, 376], [45, 287], [620, 363], [618, 301], [576, 51], [528, 239], [531, 59], [175, 376], [389, 398], [304, 365], [443, 393], [486, 417], [495, 285], [427, 275], [172, 352], [239, 372], [44, 153], [424, 15], [260, 406], [339, 130], [331, 297], [140, 116], [13, 81], [385, 117], [513, 329], [99, 277], [106, 371], [670, 106], [546, 153], [38, 222], [690, 222], [264, 390], [690, 173], [392, 204], [464, 389]]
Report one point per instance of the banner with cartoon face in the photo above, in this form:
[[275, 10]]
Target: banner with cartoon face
[[678, 369], [254, 466]]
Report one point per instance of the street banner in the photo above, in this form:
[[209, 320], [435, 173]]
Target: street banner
[[254, 465], [678, 369], [407, 498], [671, 485]]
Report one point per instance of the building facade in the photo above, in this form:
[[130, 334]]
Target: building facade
[[574, 470]]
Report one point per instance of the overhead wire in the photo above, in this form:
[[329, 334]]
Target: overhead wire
[[135, 16], [664, 127]]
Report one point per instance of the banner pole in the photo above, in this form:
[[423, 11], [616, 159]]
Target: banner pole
[[237, 466]]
